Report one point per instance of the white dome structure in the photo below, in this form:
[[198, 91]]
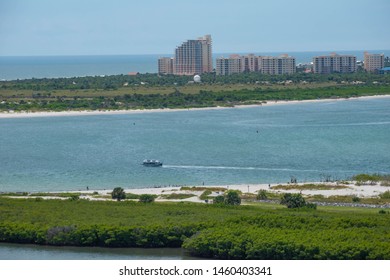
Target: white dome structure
[[197, 79]]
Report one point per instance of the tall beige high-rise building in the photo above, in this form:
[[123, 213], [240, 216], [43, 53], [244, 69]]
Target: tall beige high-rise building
[[373, 62], [194, 57], [334, 63], [165, 65]]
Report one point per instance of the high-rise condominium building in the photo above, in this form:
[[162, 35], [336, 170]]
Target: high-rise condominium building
[[227, 66], [165, 65], [194, 57], [250, 63], [283, 64], [334, 63], [373, 62]]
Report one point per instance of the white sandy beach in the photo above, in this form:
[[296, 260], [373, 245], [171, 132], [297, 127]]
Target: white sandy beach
[[351, 190], [125, 112], [360, 191]]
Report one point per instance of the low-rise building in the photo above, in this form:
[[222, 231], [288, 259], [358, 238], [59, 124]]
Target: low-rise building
[[384, 70]]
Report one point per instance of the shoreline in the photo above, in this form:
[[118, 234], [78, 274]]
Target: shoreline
[[334, 189], [351, 189], [4, 115]]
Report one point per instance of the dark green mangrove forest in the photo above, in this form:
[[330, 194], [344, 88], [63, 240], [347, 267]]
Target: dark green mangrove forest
[[261, 231]]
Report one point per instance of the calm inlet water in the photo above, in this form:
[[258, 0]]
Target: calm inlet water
[[34, 252], [266, 144]]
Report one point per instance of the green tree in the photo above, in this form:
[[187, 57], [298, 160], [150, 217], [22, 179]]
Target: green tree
[[232, 198], [262, 195], [118, 194], [220, 199], [293, 200], [355, 199]]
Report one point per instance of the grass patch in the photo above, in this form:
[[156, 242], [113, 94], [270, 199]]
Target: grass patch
[[385, 195], [309, 187], [205, 195], [132, 196], [372, 179], [349, 199], [177, 196], [248, 196], [62, 195], [195, 189], [13, 194]]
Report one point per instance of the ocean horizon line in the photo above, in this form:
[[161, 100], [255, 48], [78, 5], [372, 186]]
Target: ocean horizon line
[[219, 52]]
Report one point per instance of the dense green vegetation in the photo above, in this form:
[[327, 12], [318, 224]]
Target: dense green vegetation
[[372, 179], [262, 195], [118, 193], [299, 236], [177, 196], [147, 198], [217, 231], [147, 91], [293, 200], [118, 81]]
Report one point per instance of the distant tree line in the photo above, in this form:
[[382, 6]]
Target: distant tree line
[[182, 100], [114, 82]]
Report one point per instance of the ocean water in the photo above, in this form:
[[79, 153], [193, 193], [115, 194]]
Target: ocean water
[[27, 67], [266, 144]]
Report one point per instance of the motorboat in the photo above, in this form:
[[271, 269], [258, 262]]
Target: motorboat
[[152, 163]]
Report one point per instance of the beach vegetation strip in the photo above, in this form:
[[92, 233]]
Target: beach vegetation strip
[[372, 179], [213, 231], [177, 196], [148, 91], [309, 187]]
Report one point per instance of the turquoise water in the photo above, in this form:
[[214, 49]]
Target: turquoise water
[[27, 67], [268, 144]]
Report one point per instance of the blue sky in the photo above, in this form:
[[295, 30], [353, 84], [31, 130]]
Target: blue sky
[[81, 27]]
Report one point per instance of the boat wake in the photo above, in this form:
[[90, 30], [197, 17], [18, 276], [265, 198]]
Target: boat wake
[[241, 168]]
